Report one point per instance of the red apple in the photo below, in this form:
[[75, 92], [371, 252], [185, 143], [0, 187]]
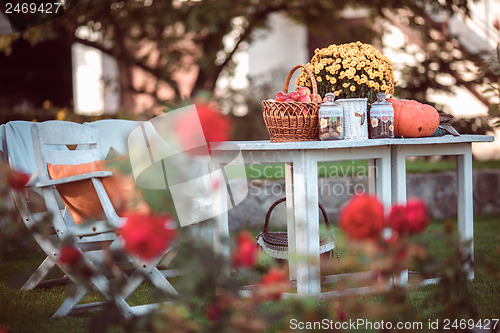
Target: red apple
[[304, 91], [281, 96], [290, 100], [304, 99], [316, 98], [294, 95]]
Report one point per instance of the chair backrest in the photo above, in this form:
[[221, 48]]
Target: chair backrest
[[17, 146], [48, 138], [113, 133], [51, 134]]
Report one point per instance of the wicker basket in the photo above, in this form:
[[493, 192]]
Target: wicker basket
[[292, 121], [276, 243]]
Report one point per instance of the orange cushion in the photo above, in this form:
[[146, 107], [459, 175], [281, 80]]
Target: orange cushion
[[81, 198]]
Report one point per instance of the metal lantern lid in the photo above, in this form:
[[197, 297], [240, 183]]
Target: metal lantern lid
[[381, 105], [330, 107]]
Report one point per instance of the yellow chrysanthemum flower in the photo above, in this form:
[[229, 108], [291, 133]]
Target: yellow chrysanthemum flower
[[350, 70]]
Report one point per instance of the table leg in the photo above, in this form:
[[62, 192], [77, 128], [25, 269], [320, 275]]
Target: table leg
[[465, 205], [305, 202], [398, 185], [383, 179], [372, 176], [221, 221], [398, 171], [463, 151], [290, 218]]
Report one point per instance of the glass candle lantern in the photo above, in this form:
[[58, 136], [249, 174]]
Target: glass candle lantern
[[331, 119], [381, 118]]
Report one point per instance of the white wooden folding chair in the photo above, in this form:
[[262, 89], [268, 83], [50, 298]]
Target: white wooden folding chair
[[113, 134], [17, 151], [86, 138]]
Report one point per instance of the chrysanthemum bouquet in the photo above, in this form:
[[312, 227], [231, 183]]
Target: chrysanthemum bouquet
[[354, 70]]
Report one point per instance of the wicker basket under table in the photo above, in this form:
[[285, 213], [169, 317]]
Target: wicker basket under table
[[276, 243]]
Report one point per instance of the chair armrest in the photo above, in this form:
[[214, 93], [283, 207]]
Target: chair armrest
[[71, 179]]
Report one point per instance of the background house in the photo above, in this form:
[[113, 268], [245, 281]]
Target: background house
[[287, 43], [87, 80]]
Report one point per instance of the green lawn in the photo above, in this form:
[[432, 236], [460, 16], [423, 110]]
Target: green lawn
[[360, 168], [30, 311]]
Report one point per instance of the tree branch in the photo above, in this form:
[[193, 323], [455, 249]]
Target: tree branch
[[245, 36]]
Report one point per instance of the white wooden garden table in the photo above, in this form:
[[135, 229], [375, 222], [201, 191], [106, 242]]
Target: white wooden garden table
[[459, 146], [301, 179], [301, 173]]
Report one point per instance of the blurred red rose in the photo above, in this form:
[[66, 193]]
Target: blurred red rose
[[272, 285], [69, 255], [418, 219], [215, 311], [216, 127], [246, 253], [363, 217], [3, 330], [147, 237], [397, 219], [18, 180], [342, 315], [410, 218], [496, 24]]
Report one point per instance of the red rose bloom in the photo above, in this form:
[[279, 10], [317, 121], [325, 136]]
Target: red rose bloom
[[418, 219], [18, 180], [363, 217], [215, 126], [246, 251], [216, 310], [147, 237], [398, 219], [274, 275], [272, 285], [410, 218], [213, 313], [69, 255], [342, 315]]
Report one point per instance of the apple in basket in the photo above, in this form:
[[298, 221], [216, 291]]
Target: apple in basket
[[304, 91], [316, 98], [294, 95], [305, 98], [281, 96]]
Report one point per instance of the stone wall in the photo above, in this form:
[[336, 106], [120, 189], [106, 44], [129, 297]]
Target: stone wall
[[439, 190]]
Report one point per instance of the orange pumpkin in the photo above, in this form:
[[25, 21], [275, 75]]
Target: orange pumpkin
[[413, 119]]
